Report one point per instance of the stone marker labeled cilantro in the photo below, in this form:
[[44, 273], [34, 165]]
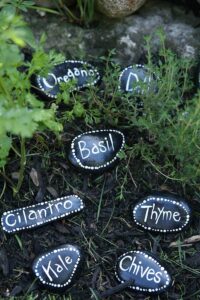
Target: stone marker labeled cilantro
[[137, 79], [96, 151], [165, 213], [79, 73], [41, 213], [144, 270], [57, 268]]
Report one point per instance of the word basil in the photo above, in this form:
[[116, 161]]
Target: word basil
[[145, 271], [96, 150], [162, 213], [81, 74], [56, 269], [41, 213]]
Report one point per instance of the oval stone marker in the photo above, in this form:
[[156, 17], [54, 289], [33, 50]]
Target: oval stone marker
[[97, 150], [145, 271], [57, 268], [83, 75], [137, 79], [162, 213], [41, 213]]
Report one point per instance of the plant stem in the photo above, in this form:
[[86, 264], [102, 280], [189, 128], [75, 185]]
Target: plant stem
[[22, 167]]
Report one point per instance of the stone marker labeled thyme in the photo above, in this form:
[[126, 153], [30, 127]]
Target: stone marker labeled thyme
[[137, 79], [80, 74], [165, 213], [57, 268], [41, 213], [96, 151], [144, 270]]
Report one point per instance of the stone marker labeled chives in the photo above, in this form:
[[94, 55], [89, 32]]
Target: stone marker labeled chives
[[96, 151], [57, 269], [165, 213], [80, 73], [146, 273], [137, 79], [41, 213]]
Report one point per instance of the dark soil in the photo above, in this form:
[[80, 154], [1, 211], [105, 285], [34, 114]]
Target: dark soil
[[104, 230]]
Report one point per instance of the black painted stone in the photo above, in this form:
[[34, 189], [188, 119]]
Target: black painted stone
[[96, 151], [41, 213], [137, 79], [146, 272], [82, 73], [165, 213], [57, 269]]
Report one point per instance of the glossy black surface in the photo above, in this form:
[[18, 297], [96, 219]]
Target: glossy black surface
[[41, 213], [57, 268], [96, 151], [165, 213], [145, 271], [137, 79], [79, 73]]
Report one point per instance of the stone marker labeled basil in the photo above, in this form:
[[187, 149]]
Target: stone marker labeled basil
[[144, 270], [81, 74], [97, 150], [57, 268], [162, 213], [137, 79], [41, 213]]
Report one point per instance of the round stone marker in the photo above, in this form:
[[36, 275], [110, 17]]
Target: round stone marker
[[137, 79], [144, 270], [41, 213], [165, 213], [57, 268], [96, 151], [81, 73]]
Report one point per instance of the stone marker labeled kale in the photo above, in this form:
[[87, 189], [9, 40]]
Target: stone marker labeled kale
[[144, 270], [41, 213], [96, 151], [57, 268], [165, 213], [81, 74], [137, 79]]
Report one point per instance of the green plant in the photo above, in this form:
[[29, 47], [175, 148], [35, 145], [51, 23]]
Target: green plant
[[166, 128], [21, 113], [82, 12]]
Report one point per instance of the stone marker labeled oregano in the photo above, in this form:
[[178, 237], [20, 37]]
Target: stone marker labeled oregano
[[165, 213], [81, 74], [41, 213], [146, 273], [137, 79], [96, 151], [57, 269]]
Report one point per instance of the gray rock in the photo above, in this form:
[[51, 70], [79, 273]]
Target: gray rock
[[119, 8], [126, 35]]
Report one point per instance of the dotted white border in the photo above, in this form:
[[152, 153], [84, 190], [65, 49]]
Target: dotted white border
[[161, 199], [138, 288], [39, 78], [131, 67], [56, 250], [43, 221], [96, 131]]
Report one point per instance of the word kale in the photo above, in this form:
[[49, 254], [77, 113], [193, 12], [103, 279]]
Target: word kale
[[41, 213], [57, 268], [79, 73], [165, 213], [144, 271], [137, 79], [96, 151]]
